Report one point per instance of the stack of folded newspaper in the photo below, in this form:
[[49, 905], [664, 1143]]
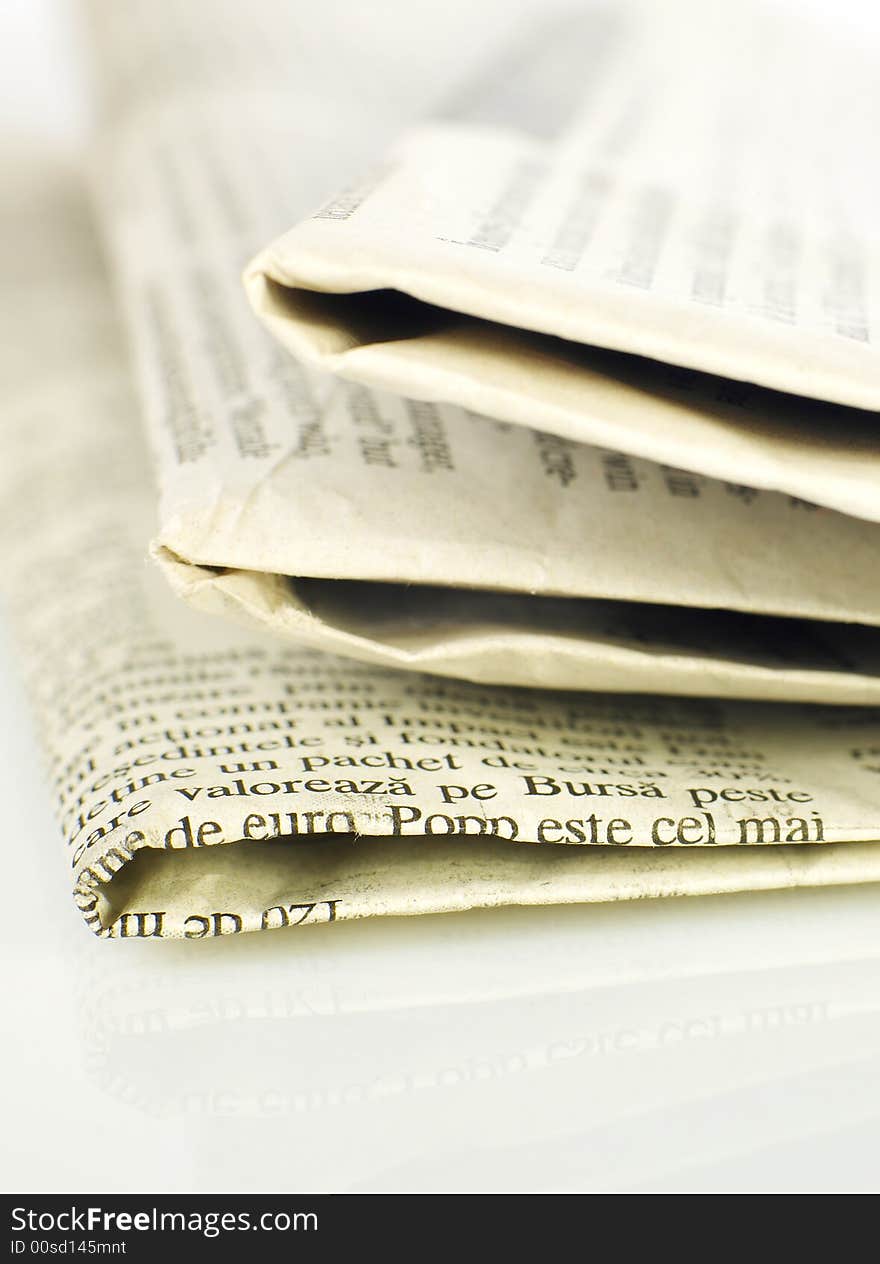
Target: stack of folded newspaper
[[544, 495]]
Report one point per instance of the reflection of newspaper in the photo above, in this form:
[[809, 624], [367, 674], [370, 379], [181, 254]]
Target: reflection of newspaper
[[454, 1049], [344, 790], [526, 557]]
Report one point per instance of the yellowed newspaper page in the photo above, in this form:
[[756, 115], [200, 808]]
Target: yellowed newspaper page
[[210, 781], [699, 198], [469, 547]]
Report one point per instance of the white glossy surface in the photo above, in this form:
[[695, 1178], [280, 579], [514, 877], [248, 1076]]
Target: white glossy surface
[[731, 1043]]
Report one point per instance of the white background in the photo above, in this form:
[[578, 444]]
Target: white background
[[729, 1043]]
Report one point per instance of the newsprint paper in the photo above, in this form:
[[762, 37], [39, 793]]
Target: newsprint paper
[[212, 777], [658, 531], [211, 781]]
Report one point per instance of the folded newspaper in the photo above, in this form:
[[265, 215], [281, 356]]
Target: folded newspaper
[[213, 778], [408, 531]]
